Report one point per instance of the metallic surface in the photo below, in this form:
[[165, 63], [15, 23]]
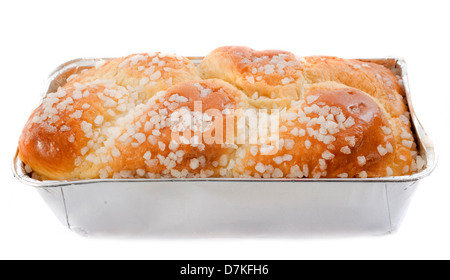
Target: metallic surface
[[220, 207]]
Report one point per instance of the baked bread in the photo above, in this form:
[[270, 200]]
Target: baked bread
[[239, 114]]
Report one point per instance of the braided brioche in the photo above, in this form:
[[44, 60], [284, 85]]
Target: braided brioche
[[241, 113]]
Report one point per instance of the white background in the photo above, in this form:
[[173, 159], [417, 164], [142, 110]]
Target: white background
[[37, 36]]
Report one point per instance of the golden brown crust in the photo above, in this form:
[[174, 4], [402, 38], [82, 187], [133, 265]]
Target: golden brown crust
[[324, 138], [164, 122], [371, 78], [148, 73], [154, 115], [68, 126], [110, 91], [272, 73]]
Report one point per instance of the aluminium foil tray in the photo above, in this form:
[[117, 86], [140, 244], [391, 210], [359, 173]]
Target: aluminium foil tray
[[220, 207]]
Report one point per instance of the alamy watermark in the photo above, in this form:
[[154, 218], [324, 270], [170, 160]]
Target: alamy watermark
[[227, 127]]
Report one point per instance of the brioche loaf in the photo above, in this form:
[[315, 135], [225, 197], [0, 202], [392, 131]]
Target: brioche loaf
[[241, 113]]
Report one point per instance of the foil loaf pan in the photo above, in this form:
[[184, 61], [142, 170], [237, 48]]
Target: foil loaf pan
[[221, 207]]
